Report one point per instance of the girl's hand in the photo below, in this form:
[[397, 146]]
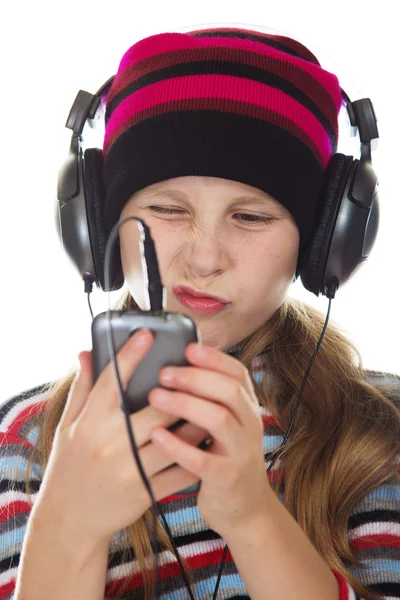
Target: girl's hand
[[92, 487], [217, 394]]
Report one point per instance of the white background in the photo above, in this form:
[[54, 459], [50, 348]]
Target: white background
[[51, 50]]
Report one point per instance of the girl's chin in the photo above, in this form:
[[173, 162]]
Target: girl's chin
[[211, 333]]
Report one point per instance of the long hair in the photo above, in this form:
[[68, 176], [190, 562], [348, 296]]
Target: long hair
[[344, 442]]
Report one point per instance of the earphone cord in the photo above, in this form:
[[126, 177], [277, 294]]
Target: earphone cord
[[331, 290]]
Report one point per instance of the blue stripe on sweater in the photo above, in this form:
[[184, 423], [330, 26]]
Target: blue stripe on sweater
[[10, 538], [379, 565], [258, 377], [270, 442], [384, 492], [18, 464], [33, 435]]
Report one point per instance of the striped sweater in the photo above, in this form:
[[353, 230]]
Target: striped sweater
[[374, 525]]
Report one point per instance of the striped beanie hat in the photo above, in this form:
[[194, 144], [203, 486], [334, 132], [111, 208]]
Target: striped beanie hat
[[230, 103]]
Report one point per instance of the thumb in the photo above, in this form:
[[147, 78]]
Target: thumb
[[79, 391]]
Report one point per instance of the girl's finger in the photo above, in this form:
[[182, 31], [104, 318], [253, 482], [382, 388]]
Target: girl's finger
[[217, 387], [127, 358], [219, 421], [191, 459]]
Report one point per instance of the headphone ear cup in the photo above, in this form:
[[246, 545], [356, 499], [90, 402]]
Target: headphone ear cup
[[315, 258], [94, 198]]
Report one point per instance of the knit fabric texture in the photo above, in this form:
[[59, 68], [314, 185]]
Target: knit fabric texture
[[229, 103], [373, 526]]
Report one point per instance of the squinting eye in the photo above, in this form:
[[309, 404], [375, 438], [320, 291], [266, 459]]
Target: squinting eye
[[164, 211], [254, 219]]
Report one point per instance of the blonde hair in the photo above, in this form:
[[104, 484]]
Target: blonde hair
[[344, 441]]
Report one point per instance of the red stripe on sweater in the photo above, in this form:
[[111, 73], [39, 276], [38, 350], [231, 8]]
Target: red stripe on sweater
[[343, 587], [22, 417], [10, 438], [268, 421], [375, 540], [172, 569], [14, 508], [7, 589]]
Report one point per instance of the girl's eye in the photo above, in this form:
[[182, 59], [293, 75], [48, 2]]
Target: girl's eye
[[257, 219]]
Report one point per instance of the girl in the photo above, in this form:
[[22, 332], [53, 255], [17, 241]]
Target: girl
[[220, 141]]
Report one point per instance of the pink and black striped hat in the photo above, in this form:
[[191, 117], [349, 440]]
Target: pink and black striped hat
[[230, 103]]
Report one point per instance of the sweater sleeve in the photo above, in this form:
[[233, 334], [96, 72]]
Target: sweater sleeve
[[374, 533], [18, 434]]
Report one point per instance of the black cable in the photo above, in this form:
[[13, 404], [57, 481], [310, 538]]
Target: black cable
[[149, 259], [88, 290], [154, 295], [90, 306]]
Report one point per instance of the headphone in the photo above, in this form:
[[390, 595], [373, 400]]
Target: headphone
[[344, 229], [343, 234]]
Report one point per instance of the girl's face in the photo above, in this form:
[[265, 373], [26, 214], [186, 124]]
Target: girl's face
[[223, 238]]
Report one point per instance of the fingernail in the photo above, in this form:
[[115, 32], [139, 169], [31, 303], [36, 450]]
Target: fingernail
[[142, 337], [159, 436], [199, 351]]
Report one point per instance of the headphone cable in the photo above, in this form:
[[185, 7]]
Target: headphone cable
[[330, 293]]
